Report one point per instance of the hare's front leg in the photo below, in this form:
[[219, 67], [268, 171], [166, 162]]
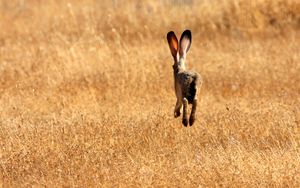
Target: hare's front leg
[[177, 108], [193, 113], [185, 108]]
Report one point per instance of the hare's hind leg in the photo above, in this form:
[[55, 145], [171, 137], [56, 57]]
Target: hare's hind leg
[[196, 86], [177, 108], [185, 115], [193, 113]]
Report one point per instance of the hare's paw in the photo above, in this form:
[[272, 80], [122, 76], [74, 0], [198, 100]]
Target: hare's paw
[[192, 120], [185, 122], [177, 113]]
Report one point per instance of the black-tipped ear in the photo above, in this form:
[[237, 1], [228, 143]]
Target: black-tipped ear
[[185, 43], [173, 43]]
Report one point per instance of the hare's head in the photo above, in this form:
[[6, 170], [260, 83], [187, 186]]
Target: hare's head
[[179, 51]]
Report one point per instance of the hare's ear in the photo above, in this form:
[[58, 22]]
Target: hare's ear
[[185, 43], [173, 43]]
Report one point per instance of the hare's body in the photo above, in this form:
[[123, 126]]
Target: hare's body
[[187, 83]]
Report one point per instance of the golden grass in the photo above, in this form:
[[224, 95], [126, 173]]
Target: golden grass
[[86, 94]]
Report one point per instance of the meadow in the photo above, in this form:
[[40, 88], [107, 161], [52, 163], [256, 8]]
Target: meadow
[[87, 94]]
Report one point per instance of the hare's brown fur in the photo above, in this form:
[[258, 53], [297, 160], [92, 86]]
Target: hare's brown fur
[[187, 83]]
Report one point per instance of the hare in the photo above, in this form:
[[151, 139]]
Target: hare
[[187, 83]]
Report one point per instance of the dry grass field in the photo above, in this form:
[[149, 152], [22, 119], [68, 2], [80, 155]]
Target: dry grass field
[[87, 98]]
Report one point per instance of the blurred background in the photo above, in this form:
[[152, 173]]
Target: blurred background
[[87, 97], [234, 17]]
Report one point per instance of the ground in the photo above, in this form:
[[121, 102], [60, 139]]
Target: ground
[[87, 94]]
